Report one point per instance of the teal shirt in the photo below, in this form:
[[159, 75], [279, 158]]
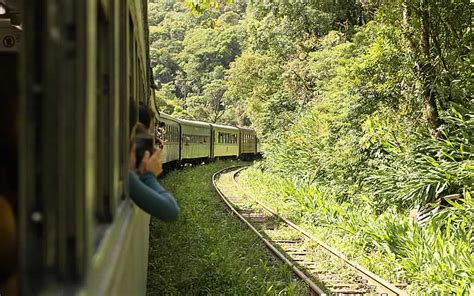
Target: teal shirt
[[151, 197]]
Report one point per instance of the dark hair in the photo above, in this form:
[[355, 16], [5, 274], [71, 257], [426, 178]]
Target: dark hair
[[145, 115], [132, 116], [141, 129]]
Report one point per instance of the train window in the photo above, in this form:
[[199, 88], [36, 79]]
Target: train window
[[170, 134]]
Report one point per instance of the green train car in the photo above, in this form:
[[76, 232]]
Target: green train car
[[168, 130], [225, 141], [67, 75], [195, 140]]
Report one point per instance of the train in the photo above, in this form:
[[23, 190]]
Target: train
[[68, 72], [193, 141]]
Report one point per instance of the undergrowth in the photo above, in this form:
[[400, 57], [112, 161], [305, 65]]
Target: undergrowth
[[435, 258], [209, 252]]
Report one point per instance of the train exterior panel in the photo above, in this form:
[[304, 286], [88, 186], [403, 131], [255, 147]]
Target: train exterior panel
[[169, 130], [124, 256], [195, 140], [225, 141], [248, 141], [86, 236]]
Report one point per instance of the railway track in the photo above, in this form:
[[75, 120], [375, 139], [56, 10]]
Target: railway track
[[324, 269]]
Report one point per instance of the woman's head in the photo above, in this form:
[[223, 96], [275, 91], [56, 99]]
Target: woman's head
[[145, 115]]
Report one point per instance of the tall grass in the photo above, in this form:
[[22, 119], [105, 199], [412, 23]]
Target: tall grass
[[428, 169], [207, 251], [433, 258]]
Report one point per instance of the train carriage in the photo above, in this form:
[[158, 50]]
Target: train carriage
[[248, 142], [225, 141], [195, 140], [169, 130], [81, 62]]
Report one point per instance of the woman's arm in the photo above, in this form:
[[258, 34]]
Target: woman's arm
[[152, 198]]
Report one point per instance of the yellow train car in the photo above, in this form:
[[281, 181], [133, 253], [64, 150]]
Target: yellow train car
[[195, 140], [248, 142], [225, 141], [69, 75], [169, 131]]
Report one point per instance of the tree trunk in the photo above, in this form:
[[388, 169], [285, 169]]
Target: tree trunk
[[427, 72]]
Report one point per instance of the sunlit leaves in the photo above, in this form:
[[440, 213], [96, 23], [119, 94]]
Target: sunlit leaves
[[199, 6]]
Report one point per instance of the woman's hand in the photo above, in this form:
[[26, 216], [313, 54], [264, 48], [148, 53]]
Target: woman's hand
[[151, 163]]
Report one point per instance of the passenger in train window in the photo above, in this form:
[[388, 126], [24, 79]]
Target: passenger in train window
[[145, 115], [145, 190]]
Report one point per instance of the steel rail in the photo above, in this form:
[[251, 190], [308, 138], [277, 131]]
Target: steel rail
[[375, 278], [312, 285]]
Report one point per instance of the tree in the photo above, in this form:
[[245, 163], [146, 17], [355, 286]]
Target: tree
[[437, 32]]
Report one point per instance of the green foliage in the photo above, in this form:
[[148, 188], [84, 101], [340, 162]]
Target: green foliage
[[199, 6], [367, 105], [207, 251], [428, 169], [435, 258], [192, 52]]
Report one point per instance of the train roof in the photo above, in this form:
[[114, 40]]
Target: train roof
[[167, 116], [246, 129], [195, 123], [225, 127]]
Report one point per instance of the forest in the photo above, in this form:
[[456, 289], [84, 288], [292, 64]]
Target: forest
[[365, 110]]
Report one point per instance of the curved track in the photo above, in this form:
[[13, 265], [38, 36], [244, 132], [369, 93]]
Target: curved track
[[324, 269]]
